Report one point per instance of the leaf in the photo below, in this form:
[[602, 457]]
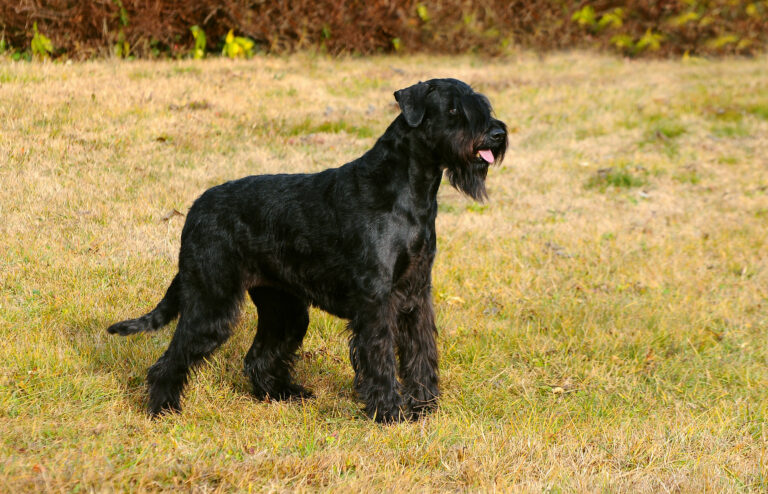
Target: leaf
[[237, 46], [200, 42], [614, 19], [170, 214], [585, 17], [421, 11], [721, 41], [245, 44], [41, 45], [743, 43], [623, 41], [650, 40], [683, 19], [123, 13]]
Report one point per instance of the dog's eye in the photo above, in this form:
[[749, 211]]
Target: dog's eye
[[453, 112]]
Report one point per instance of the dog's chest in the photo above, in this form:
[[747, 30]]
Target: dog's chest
[[414, 259]]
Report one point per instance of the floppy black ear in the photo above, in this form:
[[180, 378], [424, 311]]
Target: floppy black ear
[[412, 102]]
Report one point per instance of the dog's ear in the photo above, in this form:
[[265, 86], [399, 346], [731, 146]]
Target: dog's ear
[[412, 102]]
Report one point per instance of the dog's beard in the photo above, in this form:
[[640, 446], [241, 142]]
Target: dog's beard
[[469, 178], [469, 156]]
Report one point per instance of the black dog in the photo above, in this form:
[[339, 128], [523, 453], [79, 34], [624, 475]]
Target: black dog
[[356, 241]]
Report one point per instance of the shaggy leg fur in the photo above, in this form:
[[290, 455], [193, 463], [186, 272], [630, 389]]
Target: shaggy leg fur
[[417, 352], [207, 315], [283, 321], [372, 352], [196, 337]]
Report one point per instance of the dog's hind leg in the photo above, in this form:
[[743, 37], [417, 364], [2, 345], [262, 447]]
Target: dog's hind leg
[[283, 321], [204, 325]]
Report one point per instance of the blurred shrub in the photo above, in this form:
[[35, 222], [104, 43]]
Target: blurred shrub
[[40, 44], [237, 46], [82, 29], [200, 42]]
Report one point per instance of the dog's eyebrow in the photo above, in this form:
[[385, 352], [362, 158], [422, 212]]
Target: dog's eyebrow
[[474, 107]]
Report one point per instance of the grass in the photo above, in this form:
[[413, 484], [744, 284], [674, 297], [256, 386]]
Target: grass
[[615, 177], [605, 337]]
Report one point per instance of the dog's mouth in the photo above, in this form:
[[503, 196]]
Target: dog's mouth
[[485, 155]]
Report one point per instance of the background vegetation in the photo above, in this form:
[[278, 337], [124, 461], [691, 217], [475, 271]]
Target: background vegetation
[[128, 28], [603, 318]]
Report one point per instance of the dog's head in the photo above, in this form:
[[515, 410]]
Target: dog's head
[[459, 128]]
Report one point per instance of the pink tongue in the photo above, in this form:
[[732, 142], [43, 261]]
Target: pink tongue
[[487, 155]]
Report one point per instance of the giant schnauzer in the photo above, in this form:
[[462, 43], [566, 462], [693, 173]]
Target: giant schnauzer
[[357, 241]]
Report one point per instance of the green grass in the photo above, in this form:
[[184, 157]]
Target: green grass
[[730, 131], [603, 317], [615, 177], [666, 129], [759, 110]]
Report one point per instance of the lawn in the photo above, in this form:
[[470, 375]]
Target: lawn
[[603, 318]]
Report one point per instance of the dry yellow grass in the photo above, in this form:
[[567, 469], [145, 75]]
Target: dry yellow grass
[[603, 317]]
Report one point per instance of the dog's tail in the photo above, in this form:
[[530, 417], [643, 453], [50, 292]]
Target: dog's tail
[[165, 312]]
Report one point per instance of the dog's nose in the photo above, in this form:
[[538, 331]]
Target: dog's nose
[[498, 134]]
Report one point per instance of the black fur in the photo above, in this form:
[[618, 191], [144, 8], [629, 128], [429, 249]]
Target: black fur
[[357, 241]]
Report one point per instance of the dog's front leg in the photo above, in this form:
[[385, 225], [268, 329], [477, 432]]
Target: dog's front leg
[[417, 351], [372, 352]]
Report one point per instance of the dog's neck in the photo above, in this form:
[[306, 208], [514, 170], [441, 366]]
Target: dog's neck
[[423, 169]]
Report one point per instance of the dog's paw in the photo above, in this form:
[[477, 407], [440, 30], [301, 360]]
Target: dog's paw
[[421, 405], [388, 412], [287, 392], [294, 392], [168, 407], [394, 416]]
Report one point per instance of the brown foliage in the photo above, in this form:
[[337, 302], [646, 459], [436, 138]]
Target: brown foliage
[[82, 28]]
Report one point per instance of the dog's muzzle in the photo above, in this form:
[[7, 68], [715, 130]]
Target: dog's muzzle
[[497, 136]]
